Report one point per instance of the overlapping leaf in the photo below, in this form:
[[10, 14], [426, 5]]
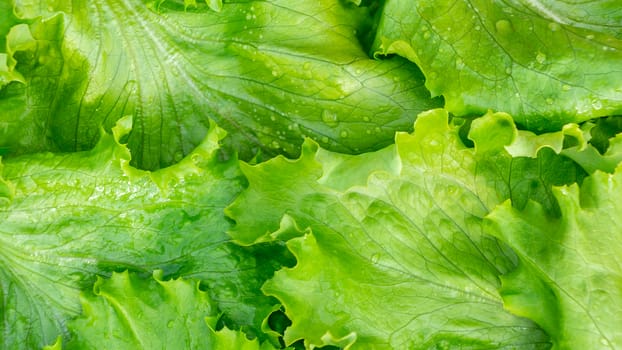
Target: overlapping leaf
[[545, 63], [267, 71], [569, 278], [400, 261], [66, 218], [125, 312]]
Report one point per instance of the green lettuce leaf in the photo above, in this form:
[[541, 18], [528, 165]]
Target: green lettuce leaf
[[69, 217], [603, 147], [491, 166], [125, 312], [270, 72], [25, 85], [7, 72], [400, 260], [569, 278], [545, 63]]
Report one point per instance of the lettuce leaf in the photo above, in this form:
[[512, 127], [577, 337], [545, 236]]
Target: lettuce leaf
[[479, 229], [402, 260], [435, 147], [174, 67], [67, 218], [568, 280], [126, 312], [546, 64]]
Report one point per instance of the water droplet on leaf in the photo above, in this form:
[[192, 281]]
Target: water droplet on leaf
[[503, 26], [330, 118], [375, 258], [553, 26]]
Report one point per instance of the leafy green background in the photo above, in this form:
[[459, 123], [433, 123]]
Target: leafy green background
[[545, 63], [492, 223], [75, 216], [175, 68]]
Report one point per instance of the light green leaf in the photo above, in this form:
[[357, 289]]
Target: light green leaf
[[258, 210], [528, 144], [546, 63], [68, 217], [7, 71], [399, 261], [125, 312], [569, 276], [26, 85], [267, 71], [604, 151]]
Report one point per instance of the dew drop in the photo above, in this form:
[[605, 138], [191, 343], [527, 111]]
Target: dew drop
[[343, 134], [478, 28], [589, 37], [540, 57], [306, 65], [324, 139], [375, 258], [459, 63], [549, 101], [553, 26], [426, 35], [196, 158], [330, 118], [566, 87], [503, 26], [508, 70], [597, 104], [170, 324], [275, 144], [275, 73], [366, 118]]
